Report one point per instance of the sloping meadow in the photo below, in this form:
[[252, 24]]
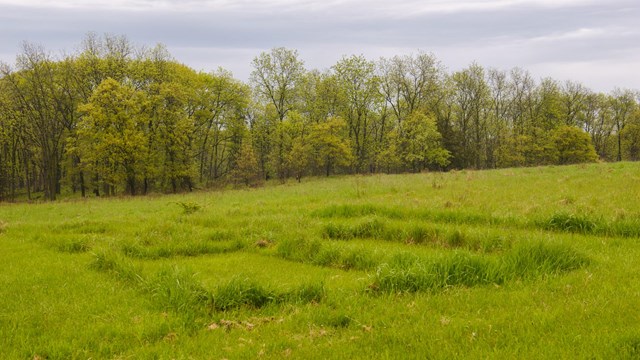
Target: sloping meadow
[[536, 263]]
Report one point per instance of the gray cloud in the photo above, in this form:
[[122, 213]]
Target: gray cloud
[[540, 35]]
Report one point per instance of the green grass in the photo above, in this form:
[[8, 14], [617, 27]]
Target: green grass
[[513, 263]]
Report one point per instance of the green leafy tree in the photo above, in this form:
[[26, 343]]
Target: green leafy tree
[[359, 83], [597, 121], [36, 94], [547, 112], [420, 143], [573, 146], [572, 102], [410, 82], [298, 158], [471, 99], [387, 156], [246, 170], [275, 78], [171, 156], [330, 148], [218, 106], [111, 136], [623, 105], [631, 138]]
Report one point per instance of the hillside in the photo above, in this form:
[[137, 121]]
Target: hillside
[[512, 263]]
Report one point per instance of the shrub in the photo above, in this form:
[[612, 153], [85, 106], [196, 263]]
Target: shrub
[[189, 207], [573, 145]]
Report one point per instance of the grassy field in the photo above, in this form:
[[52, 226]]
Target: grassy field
[[516, 263]]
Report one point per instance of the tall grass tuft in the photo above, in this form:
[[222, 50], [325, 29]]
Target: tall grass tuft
[[241, 292], [417, 275], [245, 292], [462, 218], [368, 228], [178, 289], [624, 228], [325, 254], [628, 347], [81, 227], [583, 224], [188, 248], [411, 274], [418, 234], [537, 259], [72, 244], [353, 211], [112, 262], [568, 222]]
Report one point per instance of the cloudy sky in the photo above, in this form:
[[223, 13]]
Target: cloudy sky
[[596, 42]]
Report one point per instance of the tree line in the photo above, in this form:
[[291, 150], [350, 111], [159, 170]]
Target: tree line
[[114, 118]]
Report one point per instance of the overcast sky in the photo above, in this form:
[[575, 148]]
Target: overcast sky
[[595, 42]]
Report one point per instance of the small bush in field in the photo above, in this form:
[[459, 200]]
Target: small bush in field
[[189, 207]]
